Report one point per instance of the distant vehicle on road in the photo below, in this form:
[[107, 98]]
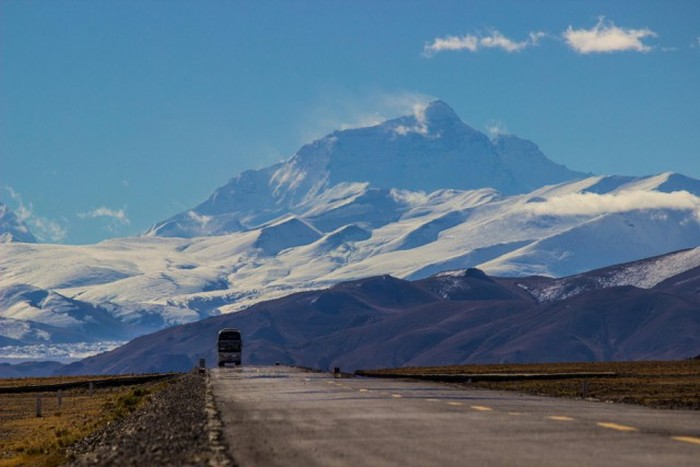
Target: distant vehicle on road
[[229, 346]]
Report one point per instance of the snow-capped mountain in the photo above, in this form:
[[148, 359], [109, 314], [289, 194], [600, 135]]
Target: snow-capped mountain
[[430, 150], [12, 229], [153, 282], [338, 211]]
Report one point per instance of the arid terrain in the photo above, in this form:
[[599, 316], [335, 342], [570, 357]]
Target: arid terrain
[[28, 439], [661, 384]]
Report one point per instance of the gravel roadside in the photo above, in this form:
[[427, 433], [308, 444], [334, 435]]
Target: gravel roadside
[[178, 426]]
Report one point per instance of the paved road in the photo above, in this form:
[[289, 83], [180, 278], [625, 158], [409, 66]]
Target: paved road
[[284, 416]]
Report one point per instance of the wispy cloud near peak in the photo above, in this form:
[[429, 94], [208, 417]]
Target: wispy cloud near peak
[[43, 228], [605, 37], [118, 215]]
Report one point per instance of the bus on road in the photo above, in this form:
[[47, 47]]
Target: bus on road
[[229, 346]]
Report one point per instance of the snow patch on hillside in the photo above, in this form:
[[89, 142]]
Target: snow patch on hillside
[[643, 274]]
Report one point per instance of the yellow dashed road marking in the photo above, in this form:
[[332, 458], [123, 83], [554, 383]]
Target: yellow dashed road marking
[[687, 439], [364, 390], [481, 408], [561, 418], [615, 426], [454, 403], [516, 414], [433, 400], [396, 396]]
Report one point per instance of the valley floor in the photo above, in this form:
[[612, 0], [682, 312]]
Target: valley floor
[[661, 384]]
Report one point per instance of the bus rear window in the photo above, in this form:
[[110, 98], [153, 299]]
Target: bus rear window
[[229, 346], [230, 336]]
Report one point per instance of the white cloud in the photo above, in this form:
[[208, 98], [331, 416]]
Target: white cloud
[[202, 220], [473, 43], [592, 204], [118, 215], [47, 230], [498, 40], [451, 43], [43, 229], [605, 37]]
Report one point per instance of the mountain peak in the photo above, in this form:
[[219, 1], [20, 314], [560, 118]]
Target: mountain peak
[[438, 111]]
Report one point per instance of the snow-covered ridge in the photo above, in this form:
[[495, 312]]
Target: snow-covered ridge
[[644, 274], [146, 283]]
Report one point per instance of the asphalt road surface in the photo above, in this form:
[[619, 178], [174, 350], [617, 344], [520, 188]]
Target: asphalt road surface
[[285, 416]]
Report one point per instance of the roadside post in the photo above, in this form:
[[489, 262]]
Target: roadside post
[[584, 389]]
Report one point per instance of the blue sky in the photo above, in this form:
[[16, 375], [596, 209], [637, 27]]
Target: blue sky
[[117, 114]]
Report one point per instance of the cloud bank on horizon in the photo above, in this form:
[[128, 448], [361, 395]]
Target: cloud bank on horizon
[[592, 204], [604, 37]]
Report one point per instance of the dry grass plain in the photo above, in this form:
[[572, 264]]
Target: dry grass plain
[[26, 439], [661, 384]]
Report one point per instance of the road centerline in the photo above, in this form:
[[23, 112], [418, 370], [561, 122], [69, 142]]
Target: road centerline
[[617, 426], [687, 439], [481, 408]]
